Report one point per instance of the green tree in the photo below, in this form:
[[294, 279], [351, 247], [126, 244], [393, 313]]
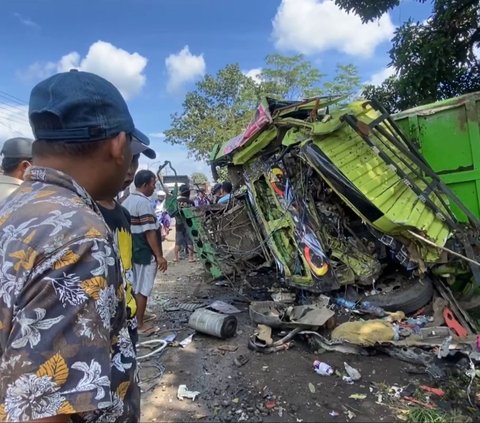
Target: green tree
[[346, 82], [221, 105], [290, 77], [386, 94], [434, 59], [199, 178], [218, 109]]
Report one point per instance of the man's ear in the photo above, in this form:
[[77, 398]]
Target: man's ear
[[24, 165], [119, 149]]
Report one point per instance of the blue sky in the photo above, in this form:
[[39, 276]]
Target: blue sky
[[155, 50]]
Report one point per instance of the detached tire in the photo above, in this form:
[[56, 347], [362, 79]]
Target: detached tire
[[398, 293]]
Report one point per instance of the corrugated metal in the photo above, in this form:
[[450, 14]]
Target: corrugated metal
[[379, 182]]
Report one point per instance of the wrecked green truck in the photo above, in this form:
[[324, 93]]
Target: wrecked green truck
[[338, 196]]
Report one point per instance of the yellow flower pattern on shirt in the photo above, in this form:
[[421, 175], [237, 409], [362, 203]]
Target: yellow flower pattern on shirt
[[64, 342]]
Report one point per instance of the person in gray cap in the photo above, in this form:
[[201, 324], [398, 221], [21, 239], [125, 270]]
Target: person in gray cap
[[17, 158], [65, 350]]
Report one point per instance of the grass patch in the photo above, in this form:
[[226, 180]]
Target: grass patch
[[423, 415]]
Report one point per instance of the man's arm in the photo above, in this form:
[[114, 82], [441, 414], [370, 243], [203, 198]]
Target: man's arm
[[155, 243]]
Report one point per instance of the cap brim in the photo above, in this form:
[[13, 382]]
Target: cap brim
[[140, 144]]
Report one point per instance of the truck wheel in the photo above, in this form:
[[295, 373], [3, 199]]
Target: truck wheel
[[397, 293]]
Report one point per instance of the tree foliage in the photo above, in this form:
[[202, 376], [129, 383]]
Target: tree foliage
[[199, 178], [216, 110], [386, 94], [346, 82], [221, 105], [290, 77], [434, 59]]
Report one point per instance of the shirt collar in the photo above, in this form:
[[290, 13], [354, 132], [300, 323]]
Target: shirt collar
[[141, 194], [10, 179], [56, 177]]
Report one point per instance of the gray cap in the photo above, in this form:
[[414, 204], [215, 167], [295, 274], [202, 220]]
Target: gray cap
[[138, 148], [17, 148]]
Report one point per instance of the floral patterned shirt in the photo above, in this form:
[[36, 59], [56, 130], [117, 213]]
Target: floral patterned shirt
[[64, 343]]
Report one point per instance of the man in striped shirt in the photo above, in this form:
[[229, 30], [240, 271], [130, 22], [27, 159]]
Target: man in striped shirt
[[147, 244]]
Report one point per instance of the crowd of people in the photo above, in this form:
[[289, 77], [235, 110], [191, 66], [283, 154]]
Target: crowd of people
[[77, 263]]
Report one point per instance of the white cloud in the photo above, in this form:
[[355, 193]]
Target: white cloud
[[158, 135], [476, 51], [178, 156], [378, 77], [314, 26], [123, 69], [67, 62], [14, 121], [255, 74], [26, 21], [182, 68]]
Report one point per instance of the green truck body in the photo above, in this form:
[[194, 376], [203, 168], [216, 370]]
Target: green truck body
[[448, 136]]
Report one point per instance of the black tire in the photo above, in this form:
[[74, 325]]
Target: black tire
[[401, 294]]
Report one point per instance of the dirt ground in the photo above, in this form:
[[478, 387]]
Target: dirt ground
[[279, 387]]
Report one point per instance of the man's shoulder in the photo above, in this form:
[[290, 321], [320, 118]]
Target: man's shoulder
[[124, 210], [137, 201], [47, 217], [8, 185], [10, 180]]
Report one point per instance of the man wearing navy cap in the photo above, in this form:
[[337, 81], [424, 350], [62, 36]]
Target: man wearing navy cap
[[65, 350], [17, 158]]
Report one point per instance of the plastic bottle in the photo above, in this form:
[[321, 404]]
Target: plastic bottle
[[372, 309], [343, 302], [364, 306], [322, 369]]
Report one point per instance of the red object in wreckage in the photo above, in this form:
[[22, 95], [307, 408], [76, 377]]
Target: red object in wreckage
[[452, 322], [435, 391], [412, 400]]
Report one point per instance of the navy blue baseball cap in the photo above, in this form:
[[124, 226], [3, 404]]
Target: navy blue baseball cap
[[88, 108]]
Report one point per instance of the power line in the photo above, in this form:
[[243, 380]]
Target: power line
[[12, 106], [12, 98], [12, 118], [13, 112]]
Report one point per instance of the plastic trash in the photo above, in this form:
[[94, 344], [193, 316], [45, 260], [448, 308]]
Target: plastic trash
[[170, 338], [187, 341], [183, 392], [371, 309], [343, 302], [352, 372], [322, 369], [363, 306]]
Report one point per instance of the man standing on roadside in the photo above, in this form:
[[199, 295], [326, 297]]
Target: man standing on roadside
[[17, 158], [216, 193], [227, 193], [118, 220], [182, 239], [201, 198], [65, 351], [147, 244]]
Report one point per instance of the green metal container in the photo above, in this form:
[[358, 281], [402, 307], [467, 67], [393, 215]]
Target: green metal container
[[448, 136]]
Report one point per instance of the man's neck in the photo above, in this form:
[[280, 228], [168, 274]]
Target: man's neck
[[108, 204], [14, 174], [141, 192]]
